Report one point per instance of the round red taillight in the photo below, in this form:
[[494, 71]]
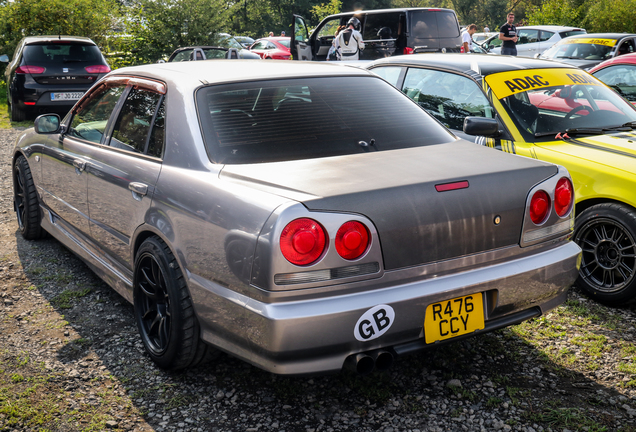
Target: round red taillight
[[563, 196], [539, 207], [352, 240], [30, 70], [303, 241]]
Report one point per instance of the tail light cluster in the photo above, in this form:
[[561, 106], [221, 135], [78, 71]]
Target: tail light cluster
[[30, 70], [304, 241], [98, 69], [540, 204]]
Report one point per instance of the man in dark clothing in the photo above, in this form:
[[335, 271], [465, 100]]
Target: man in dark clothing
[[508, 34]]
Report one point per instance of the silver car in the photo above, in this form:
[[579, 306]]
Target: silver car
[[533, 40], [301, 216]]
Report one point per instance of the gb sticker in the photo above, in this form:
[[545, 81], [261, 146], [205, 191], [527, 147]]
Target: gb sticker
[[374, 323]]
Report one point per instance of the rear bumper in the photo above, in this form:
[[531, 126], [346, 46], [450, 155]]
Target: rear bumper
[[317, 335]]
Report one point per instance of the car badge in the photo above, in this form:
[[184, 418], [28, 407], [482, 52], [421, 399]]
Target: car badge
[[65, 70]]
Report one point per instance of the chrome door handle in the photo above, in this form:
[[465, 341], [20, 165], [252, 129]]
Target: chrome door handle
[[139, 190], [80, 165]]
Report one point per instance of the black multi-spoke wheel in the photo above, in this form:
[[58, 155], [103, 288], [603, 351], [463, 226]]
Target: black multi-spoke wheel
[[25, 201], [607, 235], [163, 309]]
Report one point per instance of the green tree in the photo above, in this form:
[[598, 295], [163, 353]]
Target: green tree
[[323, 10], [158, 27], [557, 12], [610, 16], [95, 19]]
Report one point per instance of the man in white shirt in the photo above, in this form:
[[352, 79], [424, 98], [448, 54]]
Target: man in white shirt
[[349, 41], [467, 38]]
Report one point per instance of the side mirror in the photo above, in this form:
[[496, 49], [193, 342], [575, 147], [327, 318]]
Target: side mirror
[[4, 58], [481, 126], [47, 124]]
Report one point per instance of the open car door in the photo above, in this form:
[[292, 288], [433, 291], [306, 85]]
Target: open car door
[[300, 45]]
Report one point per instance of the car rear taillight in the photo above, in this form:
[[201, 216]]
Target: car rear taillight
[[352, 240], [30, 70], [539, 207], [408, 50], [563, 195], [303, 241], [97, 69]]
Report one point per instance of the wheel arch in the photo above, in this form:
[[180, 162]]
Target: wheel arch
[[581, 206]]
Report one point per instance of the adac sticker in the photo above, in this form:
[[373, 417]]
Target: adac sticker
[[505, 84], [374, 323], [604, 42]]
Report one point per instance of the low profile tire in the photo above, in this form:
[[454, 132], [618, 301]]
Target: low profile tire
[[607, 235], [25, 201], [163, 309], [17, 114]]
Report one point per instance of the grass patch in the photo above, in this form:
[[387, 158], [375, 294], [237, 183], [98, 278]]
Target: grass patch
[[65, 298], [567, 418], [5, 123]]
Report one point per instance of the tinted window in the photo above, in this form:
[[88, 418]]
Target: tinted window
[[621, 78], [62, 53], [545, 35], [134, 121], [282, 120], [90, 121], [571, 33], [381, 26], [433, 25], [448, 97]]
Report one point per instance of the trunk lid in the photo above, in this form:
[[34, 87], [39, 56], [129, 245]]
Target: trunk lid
[[396, 191]]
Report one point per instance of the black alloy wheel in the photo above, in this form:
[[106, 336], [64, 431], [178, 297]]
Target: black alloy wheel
[[25, 201], [163, 309], [607, 235]]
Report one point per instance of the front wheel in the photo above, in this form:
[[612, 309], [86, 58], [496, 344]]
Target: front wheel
[[607, 235], [164, 311]]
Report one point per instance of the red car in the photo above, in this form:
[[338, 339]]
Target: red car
[[620, 74], [276, 48]]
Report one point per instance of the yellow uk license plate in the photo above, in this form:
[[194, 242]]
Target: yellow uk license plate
[[455, 317]]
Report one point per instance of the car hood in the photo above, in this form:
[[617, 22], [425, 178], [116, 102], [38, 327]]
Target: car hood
[[396, 191], [616, 150], [583, 64]]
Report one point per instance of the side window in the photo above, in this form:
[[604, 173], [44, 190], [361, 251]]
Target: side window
[[448, 97], [135, 118], [182, 56], [622, 78], [270, 46], [90, 121], [259, 45], [391, 74], [301, 33], [545, 35], [381, 26], [626, 47], [329, 29], [528, 36], [157, 136]]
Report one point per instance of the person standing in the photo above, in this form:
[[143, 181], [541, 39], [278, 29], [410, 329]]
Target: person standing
[[486, 29], [349, 42], [508, 34], [467, 38]]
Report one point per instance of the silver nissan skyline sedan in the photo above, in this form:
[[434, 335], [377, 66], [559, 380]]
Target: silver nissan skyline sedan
[[302, 217]]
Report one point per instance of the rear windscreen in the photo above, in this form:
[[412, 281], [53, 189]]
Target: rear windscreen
[[434, 25], [381, 26], [292, 119], [62, 53]]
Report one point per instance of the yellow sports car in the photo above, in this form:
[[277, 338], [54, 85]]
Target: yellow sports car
[[553, 112]]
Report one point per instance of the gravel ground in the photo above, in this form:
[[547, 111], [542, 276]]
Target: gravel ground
[[70, 359]]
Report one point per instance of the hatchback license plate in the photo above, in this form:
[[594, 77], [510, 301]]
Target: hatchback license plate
[[66, 96], [455, 317]]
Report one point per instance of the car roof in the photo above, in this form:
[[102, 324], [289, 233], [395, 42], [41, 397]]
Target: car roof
[[195, 74], [57, 38], [621, 59], [599, 36], [550, 28], [480, 64], [374, 11], [274, 38]]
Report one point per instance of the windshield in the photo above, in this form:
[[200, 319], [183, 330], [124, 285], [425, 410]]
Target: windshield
[[545, 102], [284, 42], [581, 48], [291, 119], [230, 42]]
